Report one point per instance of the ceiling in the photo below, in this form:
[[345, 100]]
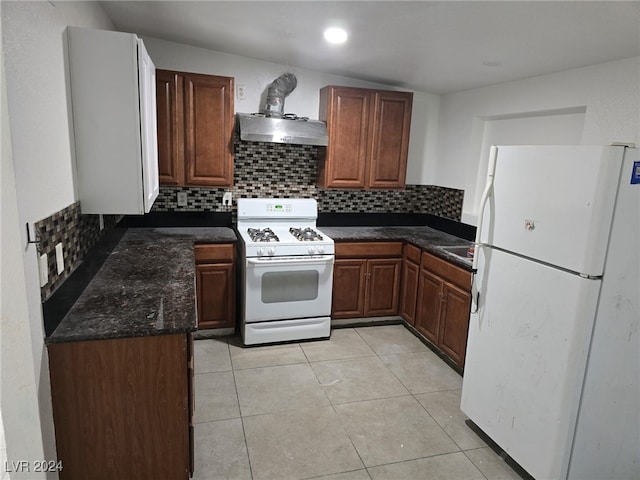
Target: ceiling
[[429, 46]]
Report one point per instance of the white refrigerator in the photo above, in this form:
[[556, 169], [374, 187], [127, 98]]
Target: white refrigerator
[[552, 370]]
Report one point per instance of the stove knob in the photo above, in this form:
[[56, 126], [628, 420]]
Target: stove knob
[[311, 250], [271, 251], [321, 250], [260, 251]]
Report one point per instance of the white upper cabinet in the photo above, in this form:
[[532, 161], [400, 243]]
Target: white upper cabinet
[[114, 121]]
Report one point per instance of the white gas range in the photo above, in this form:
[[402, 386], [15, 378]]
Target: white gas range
[[287, 271]]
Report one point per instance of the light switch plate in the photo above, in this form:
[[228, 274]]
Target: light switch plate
[[43, 268], [59, 258]]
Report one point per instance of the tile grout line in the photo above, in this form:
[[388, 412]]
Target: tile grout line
[[244, 433]]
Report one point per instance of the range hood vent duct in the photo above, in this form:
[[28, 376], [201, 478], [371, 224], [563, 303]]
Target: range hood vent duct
[[272, 126], [279, 88]]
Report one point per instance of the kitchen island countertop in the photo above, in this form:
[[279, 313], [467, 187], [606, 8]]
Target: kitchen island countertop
[[145, 287], [426, 238]]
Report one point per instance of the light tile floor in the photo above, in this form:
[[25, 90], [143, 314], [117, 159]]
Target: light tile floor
[[369, 403]]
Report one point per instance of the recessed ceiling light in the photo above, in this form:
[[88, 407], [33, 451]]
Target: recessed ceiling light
[[335, 35]]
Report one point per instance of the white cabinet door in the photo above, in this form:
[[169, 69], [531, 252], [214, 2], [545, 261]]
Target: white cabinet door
[[148, 127], [114, 115]]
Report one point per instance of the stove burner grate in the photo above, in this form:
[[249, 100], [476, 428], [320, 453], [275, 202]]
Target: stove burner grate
[[262, 235], [305, 234]]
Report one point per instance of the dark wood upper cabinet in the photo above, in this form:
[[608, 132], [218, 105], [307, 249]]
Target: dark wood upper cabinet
[[195, 129], [169, 86], [390, 139], [368, 137]]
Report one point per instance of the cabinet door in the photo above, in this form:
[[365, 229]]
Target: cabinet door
[[383, 285], [209, 130], [348, 288], [389, 139], [120, 407], [169, 101], [429, 305], [215, 288], [454, 323], [347, 117], [410, 274]]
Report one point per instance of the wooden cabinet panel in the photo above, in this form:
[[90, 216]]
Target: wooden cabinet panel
[[409, 283], [383, 284], [120, 407], [170, 119], [366, 283], [218, 253], [368, 137], [215, 285], [195, 129], [443, 306], [368, 249], [348, 109], [208, 130], [429, 305], [348, 288], [390, 139], [455, 323]]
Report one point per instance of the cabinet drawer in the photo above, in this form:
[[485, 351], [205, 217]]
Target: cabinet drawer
[[412, 253], [447, 271], [207, 253], [368, 249]]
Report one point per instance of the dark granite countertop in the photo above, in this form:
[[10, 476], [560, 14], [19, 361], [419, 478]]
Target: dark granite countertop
[[427, 238], [145, 287]]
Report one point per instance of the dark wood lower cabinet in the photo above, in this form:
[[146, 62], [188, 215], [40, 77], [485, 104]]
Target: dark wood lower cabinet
[[348, 288], [409, 284], [429, 303], [215, 285], [122, 407], [366, 279], [385, 279], [443, 305], [383, 286]]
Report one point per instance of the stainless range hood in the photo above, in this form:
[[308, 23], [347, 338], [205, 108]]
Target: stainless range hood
[[260, 128]]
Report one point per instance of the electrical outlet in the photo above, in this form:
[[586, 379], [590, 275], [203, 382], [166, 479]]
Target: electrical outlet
[[43, 268], [182, 199], [241, 92], [227, 199], [59, 258]]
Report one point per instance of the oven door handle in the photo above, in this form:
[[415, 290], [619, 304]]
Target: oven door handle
[[297, 261]]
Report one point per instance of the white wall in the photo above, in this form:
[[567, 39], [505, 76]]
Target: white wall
[[608, 94], [37, 179], [256, 75]]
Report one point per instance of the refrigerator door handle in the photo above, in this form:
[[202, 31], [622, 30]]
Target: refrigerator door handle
[[488, 190], [475, 295]]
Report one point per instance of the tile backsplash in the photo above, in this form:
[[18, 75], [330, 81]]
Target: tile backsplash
[[77, 233], [260, 170], [281, 170]]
